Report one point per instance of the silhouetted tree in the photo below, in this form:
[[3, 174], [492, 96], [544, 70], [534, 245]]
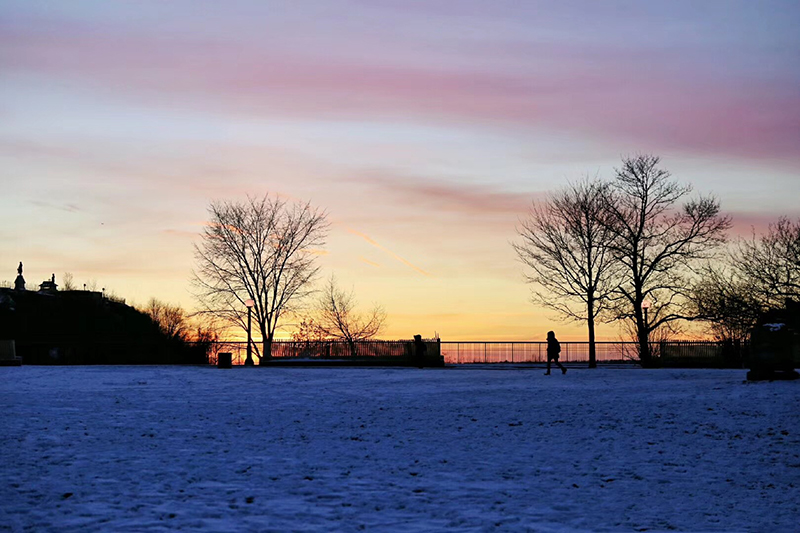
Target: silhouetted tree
[[657, 243], [170, 319], [770, 263], [68, 282], [727, 302], [338, 318], [261, 250], [567, 246], [308, 331], [760, 274]]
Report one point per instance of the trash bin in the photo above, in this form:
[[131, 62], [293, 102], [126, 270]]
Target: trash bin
[[772, 354], [224, 360]]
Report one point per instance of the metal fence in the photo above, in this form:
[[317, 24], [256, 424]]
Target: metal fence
[[671, 353], [314, 350], [703, 354], [667, 353], [534, 352]]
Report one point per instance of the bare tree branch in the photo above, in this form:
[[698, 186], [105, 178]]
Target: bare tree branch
[[338, 318], [771, 263]]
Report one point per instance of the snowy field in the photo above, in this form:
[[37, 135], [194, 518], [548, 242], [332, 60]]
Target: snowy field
[[478, 449]]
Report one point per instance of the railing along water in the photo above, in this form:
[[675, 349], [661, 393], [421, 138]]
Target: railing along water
[[486, 352], [704, 353]]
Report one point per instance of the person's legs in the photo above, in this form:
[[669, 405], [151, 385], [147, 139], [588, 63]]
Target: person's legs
[[563, 370], [548, 367]]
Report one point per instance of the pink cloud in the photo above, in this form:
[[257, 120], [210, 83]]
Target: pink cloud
[[633, 100], [746, 224], [473, 200]]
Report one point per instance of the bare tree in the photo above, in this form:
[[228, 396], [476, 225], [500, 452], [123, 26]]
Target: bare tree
[[567, 246], [657, 243], [727, 302], [170, 319], [770, 263], [338, 318], [761, 273], [68, 282], [308, 331], [262, 250]]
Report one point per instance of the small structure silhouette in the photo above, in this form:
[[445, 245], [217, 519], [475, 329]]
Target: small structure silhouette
[[553, 351], [49, 286]]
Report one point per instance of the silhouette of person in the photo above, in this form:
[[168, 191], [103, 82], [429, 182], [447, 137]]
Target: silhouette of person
[[420, 350], [19, 268], [553, 349]]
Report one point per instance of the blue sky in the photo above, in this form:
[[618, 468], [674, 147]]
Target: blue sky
[[424, 128]]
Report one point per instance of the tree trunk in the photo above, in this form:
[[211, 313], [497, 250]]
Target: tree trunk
[[643, 338], [266, 352], [592, 350]]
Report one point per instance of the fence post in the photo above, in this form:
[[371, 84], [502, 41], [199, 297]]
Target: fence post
[[485, 359], [512, 352]]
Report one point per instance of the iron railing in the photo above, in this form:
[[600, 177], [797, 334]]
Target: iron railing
[[671, 353], [285, 349], [484, 352]]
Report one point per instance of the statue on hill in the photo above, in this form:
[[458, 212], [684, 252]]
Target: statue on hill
[[19, 283]]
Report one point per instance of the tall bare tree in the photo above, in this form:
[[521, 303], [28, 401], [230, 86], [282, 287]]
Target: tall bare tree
[[657, 243], [264, 250], [770, 263], [339, 319], [567, 246]]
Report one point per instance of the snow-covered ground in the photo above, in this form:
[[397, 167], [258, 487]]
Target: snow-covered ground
[[477, 449]]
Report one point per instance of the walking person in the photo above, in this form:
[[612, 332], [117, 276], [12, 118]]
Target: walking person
[[553, 351]]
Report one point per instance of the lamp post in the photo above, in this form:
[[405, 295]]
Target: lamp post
[[645, 306], [249, 360]]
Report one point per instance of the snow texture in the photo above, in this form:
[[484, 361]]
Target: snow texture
[[351, 449]]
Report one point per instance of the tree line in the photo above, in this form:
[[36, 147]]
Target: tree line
[[639, 249]]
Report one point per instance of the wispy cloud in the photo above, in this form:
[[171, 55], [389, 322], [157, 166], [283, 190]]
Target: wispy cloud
[[389, 252], [747, 224], [471, 199], [182, 234], [367, 261], [603, 90], [70, 208]]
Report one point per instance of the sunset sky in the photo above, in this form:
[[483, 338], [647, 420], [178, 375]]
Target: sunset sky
[[424, 128]]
